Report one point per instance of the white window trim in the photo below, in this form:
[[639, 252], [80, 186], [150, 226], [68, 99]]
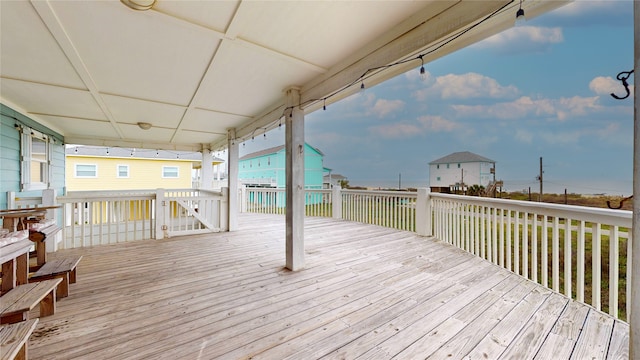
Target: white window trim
[[118, 171], [171, 167], [26, 136], [75, 171]]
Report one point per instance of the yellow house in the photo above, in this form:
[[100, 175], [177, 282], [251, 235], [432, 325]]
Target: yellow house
[[92, 168]]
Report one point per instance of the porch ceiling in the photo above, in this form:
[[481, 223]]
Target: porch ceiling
[[91, 70]]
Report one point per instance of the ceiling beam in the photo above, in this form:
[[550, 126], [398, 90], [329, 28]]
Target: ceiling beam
[[52, 22]]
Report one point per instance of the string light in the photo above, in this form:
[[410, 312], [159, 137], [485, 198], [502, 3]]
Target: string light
[[76, 150], [369, 72], [107, 151]]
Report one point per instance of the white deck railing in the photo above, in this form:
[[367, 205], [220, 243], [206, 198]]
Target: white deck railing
[[106, 217], [582, 252]]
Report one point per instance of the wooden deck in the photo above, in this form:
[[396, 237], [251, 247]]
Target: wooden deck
[[367, 292]]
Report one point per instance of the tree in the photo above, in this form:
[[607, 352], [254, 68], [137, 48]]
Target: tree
[[475, 190], [344, 183]]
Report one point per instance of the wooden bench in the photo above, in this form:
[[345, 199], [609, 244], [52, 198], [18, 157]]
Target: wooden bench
[[17, 303], [14, 339], [39, 237], [63, 268]]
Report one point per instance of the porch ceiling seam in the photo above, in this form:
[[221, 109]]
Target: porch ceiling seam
[[58, 32]]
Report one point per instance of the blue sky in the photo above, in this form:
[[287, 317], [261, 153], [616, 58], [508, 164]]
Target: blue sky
[[537, 90]]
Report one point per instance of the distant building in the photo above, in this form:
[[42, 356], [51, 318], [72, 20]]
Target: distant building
[[103, 168], [459, 170], [266, 168], [329, 180]]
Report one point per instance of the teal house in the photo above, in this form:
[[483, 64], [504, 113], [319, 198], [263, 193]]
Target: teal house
[[266, 168], [32, 157]]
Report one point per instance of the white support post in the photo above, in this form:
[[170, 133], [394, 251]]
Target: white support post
[[232, 169], [336, 201], [294, 164], [423, 212], [206, 172], [160, 215], [634, 316]]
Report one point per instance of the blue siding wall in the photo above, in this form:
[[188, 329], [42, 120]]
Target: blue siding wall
[[10, 154], [273, 166]]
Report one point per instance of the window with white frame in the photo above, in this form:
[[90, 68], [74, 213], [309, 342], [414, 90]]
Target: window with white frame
[[35, 164], [123, 171], [86, 170], [170, 172]]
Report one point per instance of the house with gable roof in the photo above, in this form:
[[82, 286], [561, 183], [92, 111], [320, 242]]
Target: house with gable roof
[[460, 170], [266, 168]]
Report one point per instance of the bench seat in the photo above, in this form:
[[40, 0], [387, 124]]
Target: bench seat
[[14, 339], [17, 303], [63, 268], [39, 237]]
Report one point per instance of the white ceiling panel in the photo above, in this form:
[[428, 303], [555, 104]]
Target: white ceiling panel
[[28, 51], [74, 127], [257, 77], [132, 111], [51, 100], [212, 122], [141, 54]]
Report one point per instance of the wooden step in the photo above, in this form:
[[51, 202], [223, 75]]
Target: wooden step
[[17, 303], [14, 339], [63, 268]]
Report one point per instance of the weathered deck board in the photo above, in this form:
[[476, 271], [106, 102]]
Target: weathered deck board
[[367, 292]]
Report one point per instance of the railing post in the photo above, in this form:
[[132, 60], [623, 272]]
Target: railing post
[[423, 212], [11, 199], [160, 215], [49, 199], [336, 202], [224, 209], [243, 199]]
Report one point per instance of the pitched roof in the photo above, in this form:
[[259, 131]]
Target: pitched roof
[[264, 152], [461, 157], [273, 150]]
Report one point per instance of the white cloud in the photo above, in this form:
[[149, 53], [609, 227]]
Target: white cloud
[[396, 131], [383, 107], [466, 86], [524, 136], [523, 39], [437, 123], [602, 85], [561, 109]]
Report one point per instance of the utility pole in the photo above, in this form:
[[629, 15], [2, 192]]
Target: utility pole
[[399, 181], [462, 182], [540, 178]]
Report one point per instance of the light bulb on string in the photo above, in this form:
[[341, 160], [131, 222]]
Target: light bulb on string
[[362, 87], [520, 18], [324, 104], [423, 72]]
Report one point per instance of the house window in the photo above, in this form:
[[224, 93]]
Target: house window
[[123, 171], [170, 172], [458, 166], [438, 178], [447, 166], [36, 160], [86, 170], [438, 166]]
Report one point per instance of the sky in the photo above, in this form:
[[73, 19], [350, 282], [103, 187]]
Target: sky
[[540, 89]]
